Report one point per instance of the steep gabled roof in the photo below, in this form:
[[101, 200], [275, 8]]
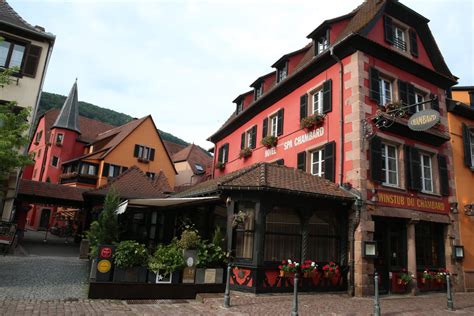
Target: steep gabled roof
[[362, 20], [134, 184], [194, 155], [173, 148], [68, 118], [270, 177], [9, 17]]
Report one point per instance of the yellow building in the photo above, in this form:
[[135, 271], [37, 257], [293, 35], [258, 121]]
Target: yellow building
[[461, 129]]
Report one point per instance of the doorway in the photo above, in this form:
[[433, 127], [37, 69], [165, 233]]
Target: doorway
[[391, 237], [44, 219]]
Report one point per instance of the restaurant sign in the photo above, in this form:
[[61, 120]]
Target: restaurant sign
[[423, 120], [412, 202]]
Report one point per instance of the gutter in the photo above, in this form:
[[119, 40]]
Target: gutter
[[341, 111]]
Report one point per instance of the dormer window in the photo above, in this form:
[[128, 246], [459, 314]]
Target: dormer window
[[282, 72], [239, 107], [399, 38], [258, 90], [323, 44]]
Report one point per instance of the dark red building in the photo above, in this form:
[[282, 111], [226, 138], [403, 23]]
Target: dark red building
[[338, 108]]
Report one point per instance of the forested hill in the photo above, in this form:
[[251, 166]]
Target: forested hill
[[55, 101]]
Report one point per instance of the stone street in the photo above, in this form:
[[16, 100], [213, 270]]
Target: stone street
[[246, 304]]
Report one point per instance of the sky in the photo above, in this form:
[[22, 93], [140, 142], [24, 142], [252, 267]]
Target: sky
[[184, 62]]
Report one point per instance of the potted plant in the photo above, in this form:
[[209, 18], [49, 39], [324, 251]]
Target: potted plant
[[211, 261], [404, 278], [239, 219], [269, 141], [426, 276], [245, 153], [288, 268], [309, 268], [165, 264], [330, 270], [440, 276], [312, 121], [220, 165], [130, 259]]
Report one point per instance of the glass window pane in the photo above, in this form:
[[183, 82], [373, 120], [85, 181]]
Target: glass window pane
[[4, 48], [17, 56], [282, 235]]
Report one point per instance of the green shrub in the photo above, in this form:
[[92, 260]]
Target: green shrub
[[189, 239], [167, 258], [129, 254]]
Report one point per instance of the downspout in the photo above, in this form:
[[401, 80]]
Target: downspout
[[341, 111]]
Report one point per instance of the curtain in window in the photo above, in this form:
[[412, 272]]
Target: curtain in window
[[245, 233], [282, 235], [323, 242], [429, 245]]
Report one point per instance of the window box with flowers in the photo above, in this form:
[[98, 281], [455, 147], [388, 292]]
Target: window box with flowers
[[330, 270], [269, 141], [288, 268], [440, 276], [309, 268], [245, 153], [426, 276], [404, 278], [312, 121], [220, 165]]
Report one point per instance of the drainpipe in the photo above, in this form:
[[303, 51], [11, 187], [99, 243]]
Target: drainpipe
[[341, 119]]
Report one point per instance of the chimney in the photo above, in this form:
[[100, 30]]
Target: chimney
[[39, 28]]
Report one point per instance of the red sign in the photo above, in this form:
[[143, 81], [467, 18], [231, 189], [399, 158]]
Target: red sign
[[106, 252]]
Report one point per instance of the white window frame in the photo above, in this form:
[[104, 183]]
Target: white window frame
[[248, 138], [384, 84], [399, 36], [317, 103], [144, 152], [385, 165], [222, 157], [259, 91], [323, 44], [282, 72], [240, 106], [419, 97], [273, 121], [317, 162], [424, 175]]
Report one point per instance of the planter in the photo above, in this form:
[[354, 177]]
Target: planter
[[309, 274], [84, 249], [286, 274], [135, 274], [93, 274], [329, 275], [209, 276], [160, 278]]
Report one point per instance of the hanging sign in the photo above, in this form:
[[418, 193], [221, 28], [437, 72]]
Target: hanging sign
[[423, 120]]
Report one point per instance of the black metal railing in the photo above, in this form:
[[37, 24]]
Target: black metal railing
[[400, 44]]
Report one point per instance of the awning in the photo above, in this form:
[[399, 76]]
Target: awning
[[171, 201]]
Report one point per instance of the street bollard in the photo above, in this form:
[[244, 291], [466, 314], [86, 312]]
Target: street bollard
[[227, 287], [449, 293], [294, 310], [376, 296]]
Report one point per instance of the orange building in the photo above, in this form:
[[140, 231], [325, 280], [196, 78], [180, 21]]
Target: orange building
[[461, 129]]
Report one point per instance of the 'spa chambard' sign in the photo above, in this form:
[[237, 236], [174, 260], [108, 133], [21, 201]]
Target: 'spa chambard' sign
[[423, 120]]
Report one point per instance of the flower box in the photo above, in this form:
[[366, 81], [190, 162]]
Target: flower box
[[220, 165], [209, 276], [161, 278], [245, 153], [135, 274], [269, 141], [286, 274], [312, 121]]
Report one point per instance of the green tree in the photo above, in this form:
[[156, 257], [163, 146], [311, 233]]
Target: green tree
[[105, 230]]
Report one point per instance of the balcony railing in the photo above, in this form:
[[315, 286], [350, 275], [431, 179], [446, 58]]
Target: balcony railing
[[75, 177], [400, 44]]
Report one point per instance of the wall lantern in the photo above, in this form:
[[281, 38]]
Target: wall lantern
[[453, 207], [469, 209], [370, 249], [458, 252]]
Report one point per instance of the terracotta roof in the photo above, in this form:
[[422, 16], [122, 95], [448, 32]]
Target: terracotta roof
[[134, 184], [173, 148], [194, 155], [270, 177], [8, 16], [91, 127], [50, 190]]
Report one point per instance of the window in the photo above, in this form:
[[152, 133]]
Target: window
[[34, 173], [199, 168], [274, 125], [317, 163], [38, 137], [323, 241], [39, 154], [419, 98], [323, 44], [244, 233], [282, 72], [59, 139], [88, 169], [144, 153], [318, 102], [258, 91], [389, 165], [249, 138], [426, 173], [240, 107], [54, 161], [11, 54], [282, 235], [399, 38], [113, 171], [150, 175], [429, 245], [385, 91], [223, 154]]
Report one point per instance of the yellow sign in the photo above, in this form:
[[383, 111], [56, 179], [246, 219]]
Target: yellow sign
[[103, 266], [416, 203]]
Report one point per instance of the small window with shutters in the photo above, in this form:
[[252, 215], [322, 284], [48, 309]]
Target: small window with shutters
[[273, 125], [321, 161], [223, 154], [249, 138], [320, 101], [144, 153]]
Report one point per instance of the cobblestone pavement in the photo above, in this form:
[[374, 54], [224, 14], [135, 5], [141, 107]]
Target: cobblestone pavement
[[242, 304]]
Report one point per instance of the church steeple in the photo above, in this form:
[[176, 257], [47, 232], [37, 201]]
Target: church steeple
[[68, 118]]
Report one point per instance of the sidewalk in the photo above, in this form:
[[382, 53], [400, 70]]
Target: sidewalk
[[244, 304]]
